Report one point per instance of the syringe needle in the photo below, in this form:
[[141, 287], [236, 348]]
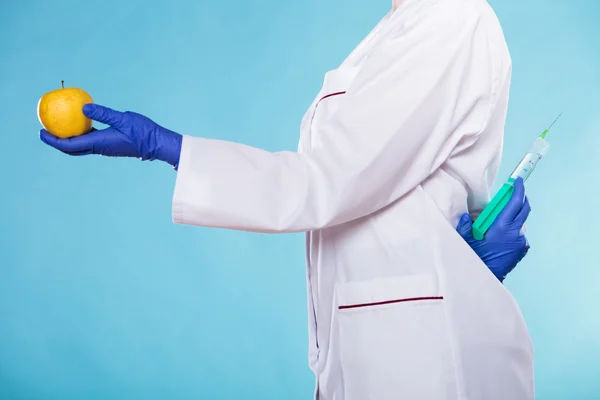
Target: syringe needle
[[552, 124]]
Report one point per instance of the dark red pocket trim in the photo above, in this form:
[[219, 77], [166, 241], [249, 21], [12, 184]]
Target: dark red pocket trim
[[381, 303]]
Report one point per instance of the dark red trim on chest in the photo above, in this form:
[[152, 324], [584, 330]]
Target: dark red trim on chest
[[331, 95]]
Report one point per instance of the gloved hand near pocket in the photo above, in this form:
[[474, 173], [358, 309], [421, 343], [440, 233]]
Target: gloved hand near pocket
[[504, 244], [129, 135]]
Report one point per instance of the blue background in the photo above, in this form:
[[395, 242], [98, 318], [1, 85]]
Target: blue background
[[102, 296]]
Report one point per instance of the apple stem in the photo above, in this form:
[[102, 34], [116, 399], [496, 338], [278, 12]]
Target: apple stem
[[63, 84]]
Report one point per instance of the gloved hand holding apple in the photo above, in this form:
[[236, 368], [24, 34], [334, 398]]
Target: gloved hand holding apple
[[67, 113]]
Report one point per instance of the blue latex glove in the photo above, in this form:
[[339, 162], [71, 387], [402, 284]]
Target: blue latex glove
[[504, 244], [128, 135]]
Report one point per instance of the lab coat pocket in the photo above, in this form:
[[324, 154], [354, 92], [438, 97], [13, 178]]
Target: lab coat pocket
[[394, 341]]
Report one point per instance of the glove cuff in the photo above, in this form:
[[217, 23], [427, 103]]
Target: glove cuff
[[168, 147]]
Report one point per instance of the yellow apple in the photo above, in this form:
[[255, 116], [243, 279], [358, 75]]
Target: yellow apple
[[60, 112]]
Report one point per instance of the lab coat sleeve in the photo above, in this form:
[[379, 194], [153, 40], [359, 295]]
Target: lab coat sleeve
[[397, 123]]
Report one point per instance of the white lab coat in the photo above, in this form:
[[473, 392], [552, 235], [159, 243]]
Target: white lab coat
[[404, 137]]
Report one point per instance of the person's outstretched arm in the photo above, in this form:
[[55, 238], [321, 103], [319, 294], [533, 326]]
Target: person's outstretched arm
[[396, 124]]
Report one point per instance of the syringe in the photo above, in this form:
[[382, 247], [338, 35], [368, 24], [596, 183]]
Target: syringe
[[538, 149]]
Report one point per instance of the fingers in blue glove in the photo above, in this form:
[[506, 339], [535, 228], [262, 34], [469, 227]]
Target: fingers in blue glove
[[523, 214], [102, 114], [75, 146], [515, 204], [465, 226]]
